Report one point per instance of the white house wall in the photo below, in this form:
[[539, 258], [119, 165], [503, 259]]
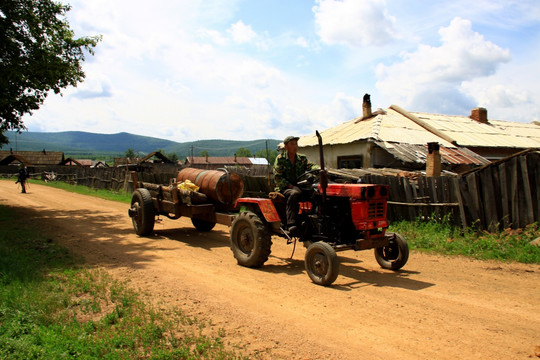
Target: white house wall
[[332, 152]]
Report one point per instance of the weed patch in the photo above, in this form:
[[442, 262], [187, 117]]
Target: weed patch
[[53, 307], [443, 237]]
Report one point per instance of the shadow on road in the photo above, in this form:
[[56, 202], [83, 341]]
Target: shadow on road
[[356, 276]]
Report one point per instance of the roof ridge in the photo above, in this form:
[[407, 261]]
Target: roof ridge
[[376, 128]]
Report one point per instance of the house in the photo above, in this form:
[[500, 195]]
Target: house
[[396, 138], [84, 162], [154, 157], [31, 158], [216, 162]]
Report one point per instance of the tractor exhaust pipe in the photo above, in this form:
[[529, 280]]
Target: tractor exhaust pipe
[[323, 175]]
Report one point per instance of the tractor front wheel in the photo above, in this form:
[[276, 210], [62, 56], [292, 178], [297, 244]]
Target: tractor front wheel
[[322, 263], [395, 255], [142, 212], [251, 240]]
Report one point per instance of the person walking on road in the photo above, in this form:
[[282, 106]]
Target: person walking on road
[[23, 175]]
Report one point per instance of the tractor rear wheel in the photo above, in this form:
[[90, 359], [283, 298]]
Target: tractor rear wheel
[[322, 263], [251, 240], [202, 225], [142, 212], [395, 255]]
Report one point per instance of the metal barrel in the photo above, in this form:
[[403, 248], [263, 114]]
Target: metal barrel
[[220, 186]]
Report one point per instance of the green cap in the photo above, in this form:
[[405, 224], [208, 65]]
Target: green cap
[[290, 138]]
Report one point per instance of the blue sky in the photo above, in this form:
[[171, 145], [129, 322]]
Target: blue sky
[[187, 70]]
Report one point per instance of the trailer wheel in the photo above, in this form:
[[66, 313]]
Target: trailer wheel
[[322, 263], [251, 241], [202, 225], [142, 212], [395, 255]]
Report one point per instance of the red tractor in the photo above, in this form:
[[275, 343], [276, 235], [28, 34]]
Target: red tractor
[[332, 217]]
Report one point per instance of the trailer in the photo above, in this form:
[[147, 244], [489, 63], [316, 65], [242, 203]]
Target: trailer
[[209, 204]]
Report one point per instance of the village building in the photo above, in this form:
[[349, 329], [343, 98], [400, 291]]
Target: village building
[[217, 162], [396, 138], [31, 158]]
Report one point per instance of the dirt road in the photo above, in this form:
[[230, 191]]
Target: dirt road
[[435, 308]]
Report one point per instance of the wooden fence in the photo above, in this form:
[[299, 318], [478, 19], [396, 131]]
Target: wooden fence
[[504, 194]]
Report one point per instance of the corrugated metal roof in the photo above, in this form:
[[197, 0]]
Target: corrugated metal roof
[[496, 133], [258, 161], [389, 126], [218, 160], [412, 153], [396, 125]]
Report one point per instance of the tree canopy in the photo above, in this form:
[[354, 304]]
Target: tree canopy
[[38, 53], [243, 152]]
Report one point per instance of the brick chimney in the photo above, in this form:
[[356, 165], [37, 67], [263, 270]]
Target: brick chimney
[[366, 107], [479, 114], [433, 160]]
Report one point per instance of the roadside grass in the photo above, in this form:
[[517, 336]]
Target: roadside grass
[[444, 238], [85, 190], [52, 306]]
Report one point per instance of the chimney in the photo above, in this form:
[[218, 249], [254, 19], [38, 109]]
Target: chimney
[[433, 160], [479, 114], [206, 157], [366, 107], [234, 157]]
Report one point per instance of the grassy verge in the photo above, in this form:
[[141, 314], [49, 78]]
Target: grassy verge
[[52, 307], [85, 190], [444, 238]]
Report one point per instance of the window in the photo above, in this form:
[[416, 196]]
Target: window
[[350, 162]]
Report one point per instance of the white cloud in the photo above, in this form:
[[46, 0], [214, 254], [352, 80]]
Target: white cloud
[[432, 75], [354, 23], [193, 69], [242, 33]]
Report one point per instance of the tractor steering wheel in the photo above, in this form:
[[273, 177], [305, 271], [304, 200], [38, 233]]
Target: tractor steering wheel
[[308, 178]]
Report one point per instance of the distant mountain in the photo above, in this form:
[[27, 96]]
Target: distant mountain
[[75, 143]]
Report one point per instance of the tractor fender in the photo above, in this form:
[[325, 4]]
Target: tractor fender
[[266, 206]]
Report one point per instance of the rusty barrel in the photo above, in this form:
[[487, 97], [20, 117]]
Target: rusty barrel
[[220, 186]]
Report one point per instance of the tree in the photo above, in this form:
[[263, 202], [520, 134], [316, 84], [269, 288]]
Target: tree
[[204, 153], [130, 154], [38, 53], [272, 154], [243, 152], [173, 157]]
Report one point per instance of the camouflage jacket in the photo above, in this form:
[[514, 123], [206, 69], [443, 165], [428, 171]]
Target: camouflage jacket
[[285, 173]]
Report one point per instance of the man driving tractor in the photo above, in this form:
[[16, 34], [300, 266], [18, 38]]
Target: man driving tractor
[[289, 165]]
